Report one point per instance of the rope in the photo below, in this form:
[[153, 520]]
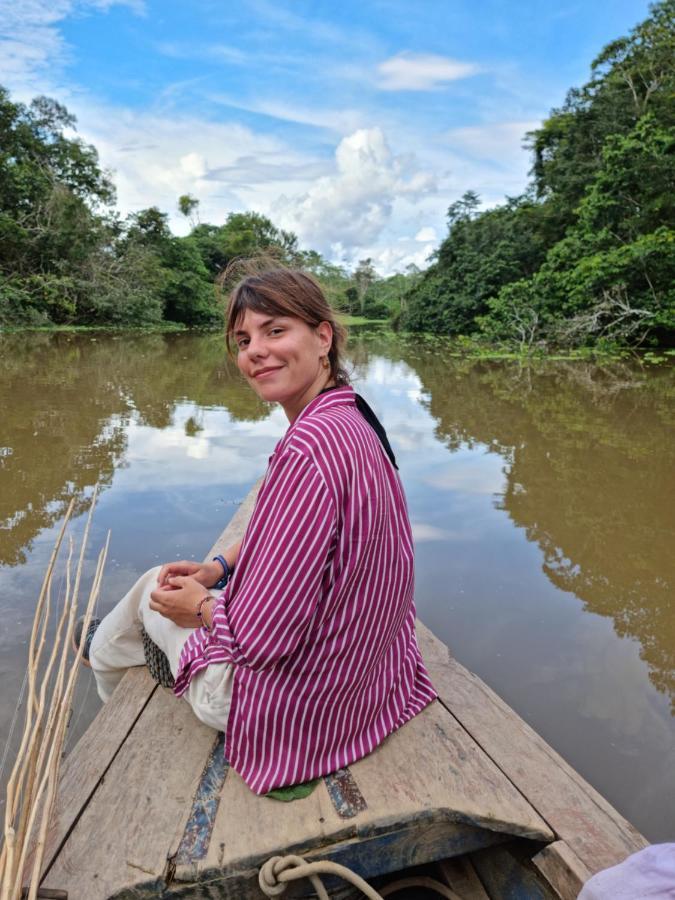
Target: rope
[[278, 871]]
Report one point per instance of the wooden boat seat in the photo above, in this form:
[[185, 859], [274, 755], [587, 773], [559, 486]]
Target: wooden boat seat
[[169, 811], [148, 806]]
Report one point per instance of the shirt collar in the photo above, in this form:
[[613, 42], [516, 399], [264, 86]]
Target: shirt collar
[[343, 395]]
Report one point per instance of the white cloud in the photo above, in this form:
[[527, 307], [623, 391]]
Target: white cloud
[[193, 164], [338, 120], [421, 72], [500, 142], [31, 46], [426, 234], [156, 158], [352, 206], [393, 256]]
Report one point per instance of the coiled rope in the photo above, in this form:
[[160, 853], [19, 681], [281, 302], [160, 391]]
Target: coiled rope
[[278, 871]]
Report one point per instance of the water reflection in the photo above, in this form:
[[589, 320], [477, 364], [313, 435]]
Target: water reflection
[[589, 454], [69, 401], [538, 494]]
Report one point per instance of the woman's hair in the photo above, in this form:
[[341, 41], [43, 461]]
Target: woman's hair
[[287, 292]]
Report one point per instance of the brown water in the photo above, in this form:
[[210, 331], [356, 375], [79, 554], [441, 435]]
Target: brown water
[[542, 500]]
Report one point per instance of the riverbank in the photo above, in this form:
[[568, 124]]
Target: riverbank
[[458, 348]]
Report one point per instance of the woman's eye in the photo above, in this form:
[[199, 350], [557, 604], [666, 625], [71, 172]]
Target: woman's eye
[[276, 330], [242, 342]]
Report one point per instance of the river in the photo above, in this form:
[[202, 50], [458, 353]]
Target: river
[[542, 498]]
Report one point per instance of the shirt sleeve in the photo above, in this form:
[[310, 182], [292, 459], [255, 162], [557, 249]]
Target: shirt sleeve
[[277, 584]]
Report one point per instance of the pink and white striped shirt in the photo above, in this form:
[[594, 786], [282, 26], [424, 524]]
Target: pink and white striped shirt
[[318, 618]]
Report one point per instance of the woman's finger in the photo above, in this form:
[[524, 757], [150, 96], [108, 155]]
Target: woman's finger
[[183, 567], [158, 597], [177, 581]]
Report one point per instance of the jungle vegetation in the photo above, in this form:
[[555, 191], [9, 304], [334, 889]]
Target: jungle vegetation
[[584, 257], [587, 254]]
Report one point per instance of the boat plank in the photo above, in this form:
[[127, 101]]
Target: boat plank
[[432, 763], [506, 872], [594, 831], [562, 868], [460, 875], [84, 768], [88, 762], [123, 835], [429, 773]]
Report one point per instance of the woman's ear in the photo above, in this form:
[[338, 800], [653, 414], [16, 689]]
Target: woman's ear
[[324, 331]]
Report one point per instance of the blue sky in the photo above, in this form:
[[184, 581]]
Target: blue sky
[[355, 124]]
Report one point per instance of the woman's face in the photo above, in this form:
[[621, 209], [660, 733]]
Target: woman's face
[[281, 358]]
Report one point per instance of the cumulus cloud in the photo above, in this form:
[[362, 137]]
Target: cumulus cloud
[[390, 257], [353, 205], [420, 72], [155, 159], [426, 234]]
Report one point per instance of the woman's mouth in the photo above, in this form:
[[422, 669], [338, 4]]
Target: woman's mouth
[[261, 373]]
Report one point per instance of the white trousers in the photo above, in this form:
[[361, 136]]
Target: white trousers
[[117, 645]]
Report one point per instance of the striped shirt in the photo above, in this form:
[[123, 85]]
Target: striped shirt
[[318, 618]]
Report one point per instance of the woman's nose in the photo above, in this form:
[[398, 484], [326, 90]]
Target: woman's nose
[[256, 346]]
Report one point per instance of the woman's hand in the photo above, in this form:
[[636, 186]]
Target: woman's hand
[[206, 574], [179, 600]]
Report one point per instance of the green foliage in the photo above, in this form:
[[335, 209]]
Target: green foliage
[[189, 207], [613, 275], [243, 235], [587, 254], [584, 258], [482, 252], [65, 258]]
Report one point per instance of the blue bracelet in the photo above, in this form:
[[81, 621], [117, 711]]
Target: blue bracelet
[[227, 572]]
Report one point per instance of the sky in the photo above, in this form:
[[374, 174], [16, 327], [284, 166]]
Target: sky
[[353, 124]]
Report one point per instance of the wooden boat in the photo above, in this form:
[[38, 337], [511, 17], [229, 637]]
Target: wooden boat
[[148, 807]]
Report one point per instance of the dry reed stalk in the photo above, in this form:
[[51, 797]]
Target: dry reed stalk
[[28, 761], [31, 791], [15, 783], [55, 756]]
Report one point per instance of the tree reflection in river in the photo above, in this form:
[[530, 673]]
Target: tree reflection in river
[[67, 401], [176, 437], [589, 454]]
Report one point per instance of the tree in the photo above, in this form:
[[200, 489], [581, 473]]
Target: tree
[[482, 252], [586, 254], [364, 275], [189, 207], [243, 235]]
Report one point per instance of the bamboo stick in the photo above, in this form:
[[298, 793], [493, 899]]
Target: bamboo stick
[[55, 758], [14, 789], [40, 736], [32, 787]]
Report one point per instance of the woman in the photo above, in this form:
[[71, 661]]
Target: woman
[[308, 658]]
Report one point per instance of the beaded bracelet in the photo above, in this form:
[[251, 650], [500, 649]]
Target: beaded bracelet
[[205, 599]]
